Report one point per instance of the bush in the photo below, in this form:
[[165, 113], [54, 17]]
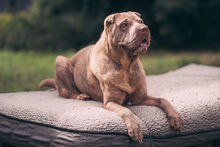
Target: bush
[[14, 31], [64, 24]]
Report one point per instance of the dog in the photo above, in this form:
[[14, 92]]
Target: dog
[[111, 72]]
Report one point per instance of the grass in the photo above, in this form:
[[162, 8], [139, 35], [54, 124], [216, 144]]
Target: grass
[[23, 70], [157, 63]]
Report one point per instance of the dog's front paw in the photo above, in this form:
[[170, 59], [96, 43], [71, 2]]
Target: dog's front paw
[[134, 129], [175, 121], [83, 96]]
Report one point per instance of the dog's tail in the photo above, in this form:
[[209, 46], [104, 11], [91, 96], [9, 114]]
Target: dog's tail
[[47, 83]]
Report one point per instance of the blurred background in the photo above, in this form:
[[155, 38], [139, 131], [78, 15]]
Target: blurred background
[[34, 32]]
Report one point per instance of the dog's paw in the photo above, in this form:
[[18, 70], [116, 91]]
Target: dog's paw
[[134, 130], [83, 96], [175, 121]]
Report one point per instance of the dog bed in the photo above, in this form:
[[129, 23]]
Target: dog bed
[[45, 119]]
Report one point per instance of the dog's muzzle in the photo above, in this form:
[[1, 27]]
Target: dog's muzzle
[[143, 34]]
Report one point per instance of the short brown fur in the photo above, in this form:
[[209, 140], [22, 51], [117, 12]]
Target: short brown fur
[[110, 71]]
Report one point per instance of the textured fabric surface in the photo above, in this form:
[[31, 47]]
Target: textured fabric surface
[[193, 90]]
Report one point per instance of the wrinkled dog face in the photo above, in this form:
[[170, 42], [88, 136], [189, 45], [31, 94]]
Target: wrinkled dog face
[[127, 30]]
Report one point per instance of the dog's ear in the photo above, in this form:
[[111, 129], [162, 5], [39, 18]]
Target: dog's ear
[[109, 20], [138, 14]]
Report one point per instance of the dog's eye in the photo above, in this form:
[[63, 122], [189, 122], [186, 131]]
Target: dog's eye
[[141, 21], [124, 25]]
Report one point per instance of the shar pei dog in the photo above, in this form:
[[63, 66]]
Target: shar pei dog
[[111, 72]]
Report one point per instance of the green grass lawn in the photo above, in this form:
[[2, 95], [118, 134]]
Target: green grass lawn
[[23, 70], [161, 62]]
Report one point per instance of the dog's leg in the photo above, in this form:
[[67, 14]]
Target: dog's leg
[[134, 129], [113, 98], [64, 80], [174, 118]]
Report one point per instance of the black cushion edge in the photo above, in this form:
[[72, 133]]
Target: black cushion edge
[[26, 133]]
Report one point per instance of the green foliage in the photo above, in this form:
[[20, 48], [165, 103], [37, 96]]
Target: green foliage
[[64, 24], [23, 70], [188, 23], [14, 30]]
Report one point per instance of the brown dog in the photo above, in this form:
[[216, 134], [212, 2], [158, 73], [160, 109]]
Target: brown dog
[[111, 72]]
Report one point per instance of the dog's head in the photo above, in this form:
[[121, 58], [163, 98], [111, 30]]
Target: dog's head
[[127, 30]]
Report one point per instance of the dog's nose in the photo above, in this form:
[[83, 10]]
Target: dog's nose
[[143, 29]]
